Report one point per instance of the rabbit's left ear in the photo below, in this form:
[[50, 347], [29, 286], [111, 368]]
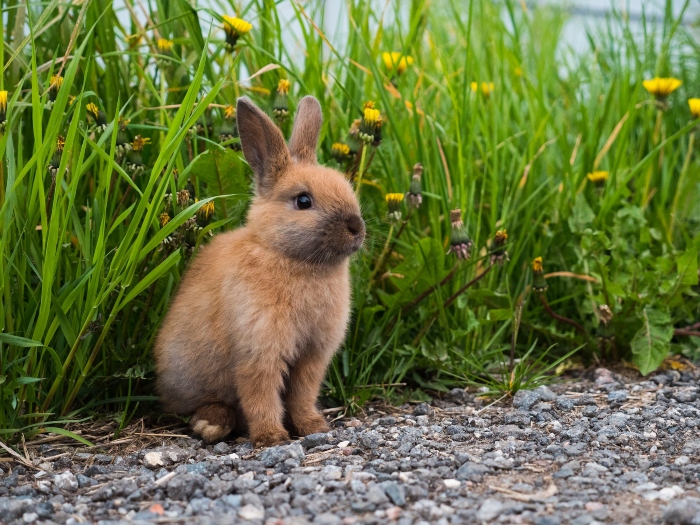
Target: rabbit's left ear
[[307, 126]]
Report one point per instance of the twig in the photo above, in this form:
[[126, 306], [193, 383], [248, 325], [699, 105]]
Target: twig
[[562, 318], [459, 292]]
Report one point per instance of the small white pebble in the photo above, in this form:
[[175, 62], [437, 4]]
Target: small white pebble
[[682, 460], [250, 512], [234, 456], [343, 444], [40, 474], [452, 483], [30, 517], [393, 513]]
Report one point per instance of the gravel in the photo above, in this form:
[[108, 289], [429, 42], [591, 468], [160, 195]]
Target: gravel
[[588, 452]]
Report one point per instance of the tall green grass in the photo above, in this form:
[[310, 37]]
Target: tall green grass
[[88, 268]]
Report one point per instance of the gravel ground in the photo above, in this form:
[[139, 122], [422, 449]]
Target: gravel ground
[[603, 450]]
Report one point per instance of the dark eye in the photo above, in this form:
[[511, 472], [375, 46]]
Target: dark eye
[[303, 201]]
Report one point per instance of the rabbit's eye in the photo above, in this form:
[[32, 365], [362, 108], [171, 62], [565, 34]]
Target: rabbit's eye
[[303, 201]]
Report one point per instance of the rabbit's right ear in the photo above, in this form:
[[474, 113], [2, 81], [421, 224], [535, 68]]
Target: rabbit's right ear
[[262, 143]]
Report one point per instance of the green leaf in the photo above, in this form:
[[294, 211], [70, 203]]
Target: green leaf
[[18, 341], [223, 171], [652, 341], [582, 215], [69, 434], [688, 267]]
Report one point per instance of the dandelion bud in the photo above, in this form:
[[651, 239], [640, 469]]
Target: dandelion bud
[[340, 152], [123, 146], [499, 254], [98, 116], [606, 314], [165, 48], [460, 243], [3, 111], [598, 178], [280, 107], [415, 191], [393, 201], [229, 129], [55, 162], [135, 163], [371, 125], [354, 142], [54, 85], [183, 198], [164, 219], [539, 284], [234, 28]]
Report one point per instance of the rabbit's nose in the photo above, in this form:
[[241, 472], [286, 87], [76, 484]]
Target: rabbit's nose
[[355, 225]]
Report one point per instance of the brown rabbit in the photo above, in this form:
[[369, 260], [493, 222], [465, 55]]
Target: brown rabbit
[[262, 309]]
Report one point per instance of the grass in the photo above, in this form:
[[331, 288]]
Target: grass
[[89, 262]]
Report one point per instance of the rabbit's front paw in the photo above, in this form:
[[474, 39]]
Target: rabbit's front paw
[[213, 422], [268, 437], [310, 424]]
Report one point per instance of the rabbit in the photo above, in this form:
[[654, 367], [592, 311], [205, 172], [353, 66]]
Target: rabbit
[[262, 309]]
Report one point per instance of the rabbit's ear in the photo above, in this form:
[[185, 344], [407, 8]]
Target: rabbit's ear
[[307, 126], [262, 144]]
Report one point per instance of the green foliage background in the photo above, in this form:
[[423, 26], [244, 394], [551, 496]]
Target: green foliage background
[[84, 281]]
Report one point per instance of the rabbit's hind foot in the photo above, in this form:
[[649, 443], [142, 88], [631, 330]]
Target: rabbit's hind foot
[[213, 422]]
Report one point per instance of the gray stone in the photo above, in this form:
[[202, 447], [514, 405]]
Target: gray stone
[[275, 455], [684, 511], [221, 449], [565, 403], [371, 439], [617, 396], [314, 440], [472, 471], [66, 481], [423, 409], [182, 486], [490, 509], [526, 398], [396, 492]]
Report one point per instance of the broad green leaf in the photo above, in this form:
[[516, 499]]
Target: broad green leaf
[[652, 341], [582, 215]]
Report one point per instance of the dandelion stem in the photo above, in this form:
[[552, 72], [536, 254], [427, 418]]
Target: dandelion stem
[[363, 158], [679, 187], [430, 290], [560, 317], [382, 256]]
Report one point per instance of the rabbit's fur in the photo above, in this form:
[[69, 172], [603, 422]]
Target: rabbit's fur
[[262, 309]]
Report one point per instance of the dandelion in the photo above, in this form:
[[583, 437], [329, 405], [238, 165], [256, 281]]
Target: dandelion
[[165, 48], [340, 151], [539, 284], [395, 61], [371, 125], [135, 163], [606, 314], [415, 190], [3, 111], [393, 201], [123, 145], [54, 85], [183, 198], [97, 115], [234, 28], [499, 254], [280, 106], [460, 243], [661, 88], [229, 129], [694, 105], [598, 178], [354, 141], [486, 88], [164, 219], [205, 213], [55, 162]]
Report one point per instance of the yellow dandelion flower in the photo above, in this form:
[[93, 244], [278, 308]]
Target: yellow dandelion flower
[[56, 82], [3, 110], [60, 142], [206, 211], [395, 61], [234, 27], [661, 87], [372, 116], [283, 86], [164, 219], [694, 105], [598, 177], [537, 265], [139, 142], [229, 112], [340, 150], [486, 88], [164, 45], [93, 109], [368, 105], [500, 238], [393, 200]]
